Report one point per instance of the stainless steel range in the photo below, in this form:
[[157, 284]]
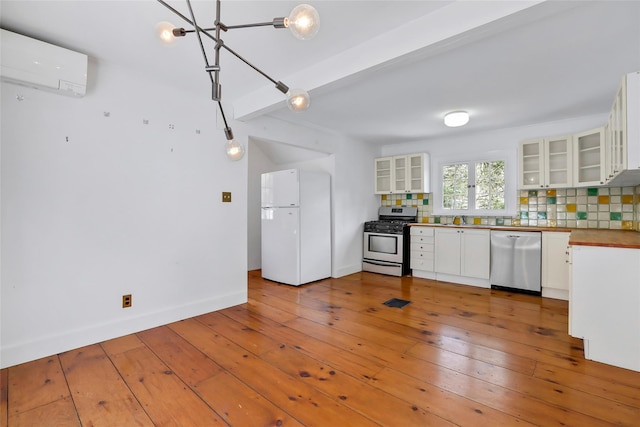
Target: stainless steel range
[[386, 241]]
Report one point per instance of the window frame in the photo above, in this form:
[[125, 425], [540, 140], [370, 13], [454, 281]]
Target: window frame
[[509, 189]]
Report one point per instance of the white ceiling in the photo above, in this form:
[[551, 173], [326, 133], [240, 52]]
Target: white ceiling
[[380, 71]]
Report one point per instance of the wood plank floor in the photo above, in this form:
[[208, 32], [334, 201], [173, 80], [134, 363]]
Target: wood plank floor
[[331, 354]]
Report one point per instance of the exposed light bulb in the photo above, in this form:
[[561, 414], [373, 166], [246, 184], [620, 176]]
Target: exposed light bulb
[[456, 118], [303, 21], [235, 150], [164, 30], [298, 100]]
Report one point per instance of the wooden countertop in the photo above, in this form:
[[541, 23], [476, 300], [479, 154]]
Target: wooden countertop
[[606, 238], [579, 236]]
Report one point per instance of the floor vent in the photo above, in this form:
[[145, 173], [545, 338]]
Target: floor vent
[[396, 302]]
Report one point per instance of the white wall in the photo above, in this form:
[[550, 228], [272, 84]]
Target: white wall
[[258, 163], [95, 207], [470, 145], [355, 202], [350, 164]]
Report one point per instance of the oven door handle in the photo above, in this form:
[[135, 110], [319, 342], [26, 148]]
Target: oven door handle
[[382, 263]]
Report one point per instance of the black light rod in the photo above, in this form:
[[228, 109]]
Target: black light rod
[[259, 24], [202, 29], [237, 55], [224, 118], [204, 53], [215, 40], [184, 18], [205, 31], [232, 27]]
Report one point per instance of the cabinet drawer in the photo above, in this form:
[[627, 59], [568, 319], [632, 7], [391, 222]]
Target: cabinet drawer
[[421, 231], [425, 240], [421, 255], [424, 264], [422, 247]]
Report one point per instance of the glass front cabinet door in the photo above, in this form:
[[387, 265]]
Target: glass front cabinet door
[[546, 163], [589, 155], [532, 163], [558, 171], [384, 177]]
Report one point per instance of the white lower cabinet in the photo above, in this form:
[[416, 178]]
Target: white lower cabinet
[[604, 307], [556, 270], [462, 255], [422, 252], [448, 254]]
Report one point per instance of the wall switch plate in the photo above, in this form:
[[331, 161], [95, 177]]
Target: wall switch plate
[[226, 196], [126, 301]]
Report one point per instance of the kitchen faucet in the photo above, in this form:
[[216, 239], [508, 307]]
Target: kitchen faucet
[[462, 219]]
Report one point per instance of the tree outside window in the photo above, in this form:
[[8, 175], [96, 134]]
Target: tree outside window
[[477, 184], [455, 179], [490, 185]]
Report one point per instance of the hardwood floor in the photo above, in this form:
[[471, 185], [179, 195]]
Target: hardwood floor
[[331, 354]]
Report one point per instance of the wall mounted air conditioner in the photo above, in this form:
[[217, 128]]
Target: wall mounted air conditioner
[[33, 63]]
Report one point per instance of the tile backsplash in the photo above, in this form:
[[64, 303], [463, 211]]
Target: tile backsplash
[[595, 207]]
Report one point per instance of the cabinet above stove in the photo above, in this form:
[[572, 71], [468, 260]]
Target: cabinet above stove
[[407, 173]]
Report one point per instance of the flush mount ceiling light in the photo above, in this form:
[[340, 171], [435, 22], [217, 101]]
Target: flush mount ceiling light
[[456, 118], [303, 21]]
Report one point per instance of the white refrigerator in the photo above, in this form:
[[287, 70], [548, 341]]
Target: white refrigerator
[[296, 226]]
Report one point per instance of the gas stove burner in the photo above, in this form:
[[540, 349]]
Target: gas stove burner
[[392, 220], [385, 226]]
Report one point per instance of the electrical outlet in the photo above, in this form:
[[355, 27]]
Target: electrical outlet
[[126, 301], [226, 197]]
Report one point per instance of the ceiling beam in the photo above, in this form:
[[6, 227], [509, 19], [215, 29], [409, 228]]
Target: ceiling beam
[[452, 22]]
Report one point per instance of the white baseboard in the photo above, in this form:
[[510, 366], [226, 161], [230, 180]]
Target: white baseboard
[[562, 294], [349, 269], [424, 274], [68, 340], [464, 280]]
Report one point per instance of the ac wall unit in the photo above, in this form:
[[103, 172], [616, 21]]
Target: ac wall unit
[[33, 63]]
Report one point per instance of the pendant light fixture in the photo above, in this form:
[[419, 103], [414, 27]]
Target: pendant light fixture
[[304, 23]]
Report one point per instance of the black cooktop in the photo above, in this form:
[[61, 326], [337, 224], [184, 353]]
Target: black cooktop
[[391, 220]]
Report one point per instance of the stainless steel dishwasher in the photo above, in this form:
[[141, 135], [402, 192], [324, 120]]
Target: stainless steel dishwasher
[[516, 260]]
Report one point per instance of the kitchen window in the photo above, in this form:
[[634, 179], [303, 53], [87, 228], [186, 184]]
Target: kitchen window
[[472, 187]]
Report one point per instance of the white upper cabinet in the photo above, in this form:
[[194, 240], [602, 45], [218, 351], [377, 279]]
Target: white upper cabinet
[[546, 162], [384, 175], [616, 135], [400, 168], [589, 155], [402, 174], [622, 134], [609, 155], [531, 164], [558, 170]]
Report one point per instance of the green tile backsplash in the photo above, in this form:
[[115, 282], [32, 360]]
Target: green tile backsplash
[[595, 207]]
